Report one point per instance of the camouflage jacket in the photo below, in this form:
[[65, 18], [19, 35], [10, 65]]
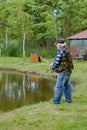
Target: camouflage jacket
[[65, 63]]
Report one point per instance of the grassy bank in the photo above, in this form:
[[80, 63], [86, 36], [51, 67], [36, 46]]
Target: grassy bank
[[46, 116]]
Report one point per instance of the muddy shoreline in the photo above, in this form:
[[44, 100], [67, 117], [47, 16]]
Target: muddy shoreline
[[53, 75]]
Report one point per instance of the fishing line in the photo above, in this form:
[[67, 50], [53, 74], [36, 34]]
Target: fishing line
[[41, 56], [43, 75]]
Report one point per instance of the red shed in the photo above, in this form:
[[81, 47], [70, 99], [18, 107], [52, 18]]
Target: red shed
[[78, 45]]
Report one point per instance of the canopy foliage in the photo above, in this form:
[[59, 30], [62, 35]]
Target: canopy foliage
[[41, 22]]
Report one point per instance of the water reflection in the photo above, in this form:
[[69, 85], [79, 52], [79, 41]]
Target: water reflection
[[19, 90]]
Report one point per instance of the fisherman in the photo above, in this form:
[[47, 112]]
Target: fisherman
[[62, 65]]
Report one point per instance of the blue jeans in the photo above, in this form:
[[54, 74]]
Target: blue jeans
[[63, 85]]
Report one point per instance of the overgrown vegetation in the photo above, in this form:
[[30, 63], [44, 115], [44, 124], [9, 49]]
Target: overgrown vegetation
[[13, 49], [36, 24], [45, 115]]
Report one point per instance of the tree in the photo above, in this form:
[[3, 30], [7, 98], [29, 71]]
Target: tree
[[38, 23], [72, 16]]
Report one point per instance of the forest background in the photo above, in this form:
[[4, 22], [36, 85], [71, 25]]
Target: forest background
[[34, 25]]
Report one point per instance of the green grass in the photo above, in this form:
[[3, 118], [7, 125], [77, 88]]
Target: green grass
[[45, 115], [20, 64]]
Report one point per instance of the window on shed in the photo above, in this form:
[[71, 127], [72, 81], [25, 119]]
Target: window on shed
[[78, 43], [85, 43]]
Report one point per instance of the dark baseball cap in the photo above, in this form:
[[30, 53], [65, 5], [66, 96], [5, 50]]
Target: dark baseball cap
[[60, 41]]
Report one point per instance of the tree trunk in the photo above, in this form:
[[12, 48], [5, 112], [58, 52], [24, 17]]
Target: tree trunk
[[24, 46], [0, 49], [6, 37]]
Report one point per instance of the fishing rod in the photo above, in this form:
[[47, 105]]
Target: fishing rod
[[43, 75]]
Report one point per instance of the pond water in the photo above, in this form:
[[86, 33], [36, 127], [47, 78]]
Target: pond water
[[17, 90]]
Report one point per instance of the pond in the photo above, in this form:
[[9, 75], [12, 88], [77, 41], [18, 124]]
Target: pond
[[17, 90]]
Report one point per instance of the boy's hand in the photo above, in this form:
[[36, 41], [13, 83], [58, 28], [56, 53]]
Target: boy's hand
[[51, 66]]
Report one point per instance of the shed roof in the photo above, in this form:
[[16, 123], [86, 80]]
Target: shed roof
[[81, 35]]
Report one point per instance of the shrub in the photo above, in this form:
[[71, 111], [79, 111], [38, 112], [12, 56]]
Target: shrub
[[12, 49], [47, 53]]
